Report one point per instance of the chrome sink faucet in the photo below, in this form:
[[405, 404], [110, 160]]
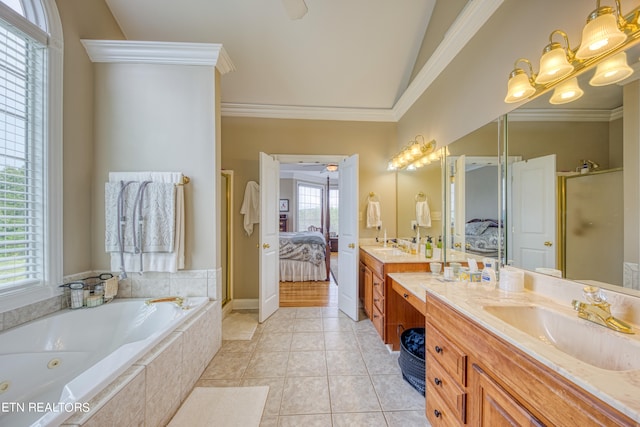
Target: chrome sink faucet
[[598, 310]]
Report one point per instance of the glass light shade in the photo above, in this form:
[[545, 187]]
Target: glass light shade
[[415, 149], [600, 35], [566, 92], [425, 160], [411, 168], [406, 155], [611, 71], [519, 87], [553, 64]]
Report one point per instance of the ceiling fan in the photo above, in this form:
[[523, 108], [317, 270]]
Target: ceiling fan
[[296, 9]]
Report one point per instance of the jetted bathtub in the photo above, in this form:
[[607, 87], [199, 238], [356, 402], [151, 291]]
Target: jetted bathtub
[[53, 366]]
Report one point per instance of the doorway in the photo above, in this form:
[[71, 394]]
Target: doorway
[[347, 188], [226, 237]]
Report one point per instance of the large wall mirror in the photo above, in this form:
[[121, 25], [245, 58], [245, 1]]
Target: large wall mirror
[[417, 190], [471, 194], [566, 194]]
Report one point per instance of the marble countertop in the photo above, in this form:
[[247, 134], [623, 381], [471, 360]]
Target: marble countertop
[[619, 389], [390, 255]]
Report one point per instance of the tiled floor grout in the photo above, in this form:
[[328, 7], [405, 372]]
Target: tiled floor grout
[[397, 403]]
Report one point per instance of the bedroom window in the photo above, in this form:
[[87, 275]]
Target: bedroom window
[[28, 147], [333, 210], [309, 206]]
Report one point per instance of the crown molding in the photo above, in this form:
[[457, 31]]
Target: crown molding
[[149, 52], [563, 115], [474, 15], [310, 113]]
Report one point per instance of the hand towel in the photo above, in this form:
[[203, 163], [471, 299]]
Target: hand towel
[[423, 214], [251, 206], [373, 215]]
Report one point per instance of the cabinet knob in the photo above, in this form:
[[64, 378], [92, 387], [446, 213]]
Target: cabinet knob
[[375, 316], [406, 295], [438, 349], [351, 245], [437, 413], [437, 381], [376, 299]]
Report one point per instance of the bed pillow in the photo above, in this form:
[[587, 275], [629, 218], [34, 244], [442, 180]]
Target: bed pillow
[[476, 228]]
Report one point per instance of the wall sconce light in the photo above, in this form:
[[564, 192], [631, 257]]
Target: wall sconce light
[[413, 155], [604, 38]]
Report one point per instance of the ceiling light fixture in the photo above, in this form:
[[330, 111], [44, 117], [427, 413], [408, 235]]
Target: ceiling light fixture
[[413, 155], [332, 167], [606, 35]]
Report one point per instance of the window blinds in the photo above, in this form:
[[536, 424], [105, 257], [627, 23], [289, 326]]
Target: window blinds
[[21, 158]]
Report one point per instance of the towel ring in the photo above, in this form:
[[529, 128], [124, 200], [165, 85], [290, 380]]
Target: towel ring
[[421, 197], [373, 197]]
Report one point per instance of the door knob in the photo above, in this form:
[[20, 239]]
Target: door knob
[[548, 243], [352, 245], [266, 245]]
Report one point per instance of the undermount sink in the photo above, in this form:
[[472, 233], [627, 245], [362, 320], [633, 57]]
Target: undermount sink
[[578, 338], [389, 251]]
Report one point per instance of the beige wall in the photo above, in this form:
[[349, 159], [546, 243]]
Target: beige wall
[[244, 138], [81, 19], [152, 117]]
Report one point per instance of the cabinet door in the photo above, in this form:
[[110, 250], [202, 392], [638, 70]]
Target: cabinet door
[[368, 292], [494, 407]]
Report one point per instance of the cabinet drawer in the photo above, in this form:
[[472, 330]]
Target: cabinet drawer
[[438, 413], [411, 298], [451, 393], [450, 357], [378, 285], [378, 301], [378, 321]]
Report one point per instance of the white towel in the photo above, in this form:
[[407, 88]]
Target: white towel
[[158, 211], [423, 214], [251, 206], [158, 261], [373, 215]]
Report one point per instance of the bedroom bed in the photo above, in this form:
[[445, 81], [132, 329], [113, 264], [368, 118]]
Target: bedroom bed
[[304, 256], [482, 237]]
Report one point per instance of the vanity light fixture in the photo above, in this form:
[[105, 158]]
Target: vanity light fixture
[[412, 155], [554, 63], [566, 92], [606, 34], [612, 70]]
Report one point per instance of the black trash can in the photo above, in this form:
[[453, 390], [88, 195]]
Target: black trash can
[[411, 359]]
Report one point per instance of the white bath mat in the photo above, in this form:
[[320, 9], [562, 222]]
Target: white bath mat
[[239, 326], [222, 407]]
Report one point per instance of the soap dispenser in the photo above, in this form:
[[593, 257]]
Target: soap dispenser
[[428, 248]]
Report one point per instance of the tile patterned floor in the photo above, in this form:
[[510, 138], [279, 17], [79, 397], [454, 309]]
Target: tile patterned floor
[[323, 369]]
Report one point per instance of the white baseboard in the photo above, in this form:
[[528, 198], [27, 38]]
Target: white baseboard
[[245, 304]]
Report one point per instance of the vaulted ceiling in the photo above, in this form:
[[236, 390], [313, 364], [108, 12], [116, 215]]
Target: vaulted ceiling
[[342, 55]]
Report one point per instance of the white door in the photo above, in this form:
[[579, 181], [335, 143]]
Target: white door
[[459, 210], [269, 294], [348, 237], [534, 213]]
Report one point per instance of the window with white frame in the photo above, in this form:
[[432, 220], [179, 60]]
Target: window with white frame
[[26, 205], [309, 211], [334, 198]]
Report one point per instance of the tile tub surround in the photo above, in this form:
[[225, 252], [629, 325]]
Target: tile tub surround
[[190, 283], [322, 368], [619, 389], [151, 391]]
